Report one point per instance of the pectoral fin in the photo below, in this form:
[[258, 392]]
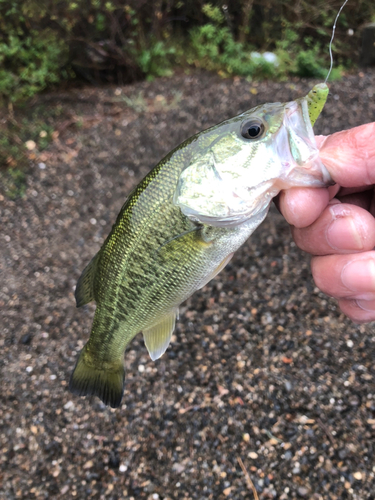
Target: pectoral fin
[[216, 271], [157, 337]]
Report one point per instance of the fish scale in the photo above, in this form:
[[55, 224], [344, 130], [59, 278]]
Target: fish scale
[[161, 248]]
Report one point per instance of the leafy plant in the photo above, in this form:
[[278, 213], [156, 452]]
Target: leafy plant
[[42, 43], [156, 60], [213, 47], [137, 102], [13, 181], [309, 63], [29, 62]]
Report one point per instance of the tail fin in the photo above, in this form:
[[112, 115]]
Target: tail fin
[[108, 385]]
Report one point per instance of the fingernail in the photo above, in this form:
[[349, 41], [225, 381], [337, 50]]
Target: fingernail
[[334, 201], [366, 305], [359, 276], [342, 233]]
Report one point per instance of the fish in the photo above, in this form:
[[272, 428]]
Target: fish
[[182, 224]]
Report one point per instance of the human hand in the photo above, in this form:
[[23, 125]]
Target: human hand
[[337, 225]]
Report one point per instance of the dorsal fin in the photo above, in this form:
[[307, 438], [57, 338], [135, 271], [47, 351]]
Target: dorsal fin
[[85, 286]]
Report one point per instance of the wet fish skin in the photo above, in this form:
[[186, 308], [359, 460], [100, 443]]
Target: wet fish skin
[[156, 256], [153, 276]]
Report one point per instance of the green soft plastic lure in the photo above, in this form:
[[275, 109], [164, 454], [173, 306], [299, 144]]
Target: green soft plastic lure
[[316, 100], [182, 224]]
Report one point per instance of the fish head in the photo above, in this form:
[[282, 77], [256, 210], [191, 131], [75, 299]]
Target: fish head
[[238, 166]]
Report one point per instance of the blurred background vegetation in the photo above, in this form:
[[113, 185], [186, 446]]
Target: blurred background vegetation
[[46, 43]]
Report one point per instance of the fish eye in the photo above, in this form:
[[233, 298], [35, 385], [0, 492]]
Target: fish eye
[[252, 129]]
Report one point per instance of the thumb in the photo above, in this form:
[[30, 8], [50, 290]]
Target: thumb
[[350, 155]]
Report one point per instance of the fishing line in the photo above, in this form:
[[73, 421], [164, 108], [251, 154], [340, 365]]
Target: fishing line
[[332, 37]]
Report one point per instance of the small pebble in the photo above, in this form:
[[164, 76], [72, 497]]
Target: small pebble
[[297, 468], [69, 405], [302, 491], [30, 145], [26, 338]]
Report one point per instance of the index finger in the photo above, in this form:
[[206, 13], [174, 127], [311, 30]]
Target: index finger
[[350, 155]]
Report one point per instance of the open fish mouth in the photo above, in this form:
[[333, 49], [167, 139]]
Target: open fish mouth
[[304, 166], [223, 191]]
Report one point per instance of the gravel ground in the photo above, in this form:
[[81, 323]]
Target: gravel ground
[[262, 367]]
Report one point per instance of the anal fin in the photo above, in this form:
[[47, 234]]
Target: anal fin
[[158, 337]]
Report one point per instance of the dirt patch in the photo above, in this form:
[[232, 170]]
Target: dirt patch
[[262, 367]]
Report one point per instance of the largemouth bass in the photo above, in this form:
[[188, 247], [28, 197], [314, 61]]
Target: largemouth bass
[[182, 224]]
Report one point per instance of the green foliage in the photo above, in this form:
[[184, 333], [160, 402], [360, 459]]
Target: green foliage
[[45, 41], [30, 64], [30, 59], [213, 47], [156, 60], [13, 182], [12, 151], [306, 62], [137, 102], [310, 64], [214, 13]]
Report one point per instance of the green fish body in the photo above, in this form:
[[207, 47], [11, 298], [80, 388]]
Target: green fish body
[[180, 227]]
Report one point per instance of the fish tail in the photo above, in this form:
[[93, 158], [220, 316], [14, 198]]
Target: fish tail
[[106, 382]]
